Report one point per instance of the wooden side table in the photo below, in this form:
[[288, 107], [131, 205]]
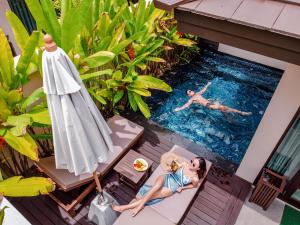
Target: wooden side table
[[128, 175]]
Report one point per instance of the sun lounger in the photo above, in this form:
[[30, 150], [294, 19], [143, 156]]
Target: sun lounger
[[125, 135], [172, 209]]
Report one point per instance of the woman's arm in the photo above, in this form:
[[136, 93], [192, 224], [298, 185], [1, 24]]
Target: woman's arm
[[195, 182]]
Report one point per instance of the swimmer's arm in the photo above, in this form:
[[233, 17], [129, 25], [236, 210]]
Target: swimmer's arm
[[204, 89], [186, 105]]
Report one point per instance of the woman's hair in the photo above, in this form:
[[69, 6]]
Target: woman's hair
[[202, 167]]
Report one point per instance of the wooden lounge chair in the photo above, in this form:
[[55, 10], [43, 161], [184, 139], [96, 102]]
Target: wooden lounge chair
[[171, 210], [125, 135]]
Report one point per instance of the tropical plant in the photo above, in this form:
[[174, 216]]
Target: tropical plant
[[17, 113], [113, 48]]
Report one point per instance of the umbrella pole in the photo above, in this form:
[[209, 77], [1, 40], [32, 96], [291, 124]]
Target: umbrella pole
[[101, 200]]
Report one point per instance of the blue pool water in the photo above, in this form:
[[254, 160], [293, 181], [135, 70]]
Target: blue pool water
[[237, 83]]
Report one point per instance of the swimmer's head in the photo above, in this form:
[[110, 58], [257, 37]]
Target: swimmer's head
[[190, 93]]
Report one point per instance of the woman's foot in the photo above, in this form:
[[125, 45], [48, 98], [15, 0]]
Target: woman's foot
[[136, 210], [118, 208]]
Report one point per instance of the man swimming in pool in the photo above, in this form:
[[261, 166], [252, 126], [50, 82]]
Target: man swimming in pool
[[199, 99]]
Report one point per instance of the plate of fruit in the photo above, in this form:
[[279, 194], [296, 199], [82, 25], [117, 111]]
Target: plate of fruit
[[140, 164]]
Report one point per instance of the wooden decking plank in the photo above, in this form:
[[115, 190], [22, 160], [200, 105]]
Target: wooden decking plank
[[216, 194], [187, 221], [48, 212], [59, 211], [158, 149], [204, 208], [204, 216], [35, 211], [150, 153], [212, 199], [208, 204], [24, 211], [218, 189], [196, 219]]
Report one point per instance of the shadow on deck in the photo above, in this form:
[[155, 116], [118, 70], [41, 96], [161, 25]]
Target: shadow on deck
[[219, 203]]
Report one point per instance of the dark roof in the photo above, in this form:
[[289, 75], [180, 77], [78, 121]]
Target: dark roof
[[279, 20]]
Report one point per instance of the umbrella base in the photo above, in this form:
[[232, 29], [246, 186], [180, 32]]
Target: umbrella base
[[101, 212]]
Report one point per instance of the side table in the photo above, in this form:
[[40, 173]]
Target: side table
[[128, 175]]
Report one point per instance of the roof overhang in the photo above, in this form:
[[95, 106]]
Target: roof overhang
[[278, 41]]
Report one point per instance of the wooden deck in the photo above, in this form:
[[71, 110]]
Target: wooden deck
[[219, 203]]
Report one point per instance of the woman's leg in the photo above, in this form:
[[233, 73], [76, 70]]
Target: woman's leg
[[151, 195], [157, 191], [121, 208], [162, 193]]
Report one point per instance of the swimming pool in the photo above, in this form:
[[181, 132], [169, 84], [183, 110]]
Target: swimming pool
[[235, 82]]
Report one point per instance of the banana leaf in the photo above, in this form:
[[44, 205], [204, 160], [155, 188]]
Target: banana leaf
[[19, 124], [139, 91], [103, 24], [146, 81], [73, 23], [26, 55], [41, 117], [142, 105], [20, 33], [99, 59], [117, 75], [155, 59], [4, 110], [97, 97], [118, 96], [37, 12], [140, 14], [14, 96], [65, 7], [7, 70], [184, 42], [96, 74], [36, 95], [22, 144], [117, 36], [132, 102], [116, 18], [52, 21], [19, 187]]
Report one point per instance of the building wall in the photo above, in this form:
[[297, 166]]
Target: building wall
[[253, 56], [5, 25], [282, 108]]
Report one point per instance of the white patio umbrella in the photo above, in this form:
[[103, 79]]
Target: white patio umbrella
[[80, 134]]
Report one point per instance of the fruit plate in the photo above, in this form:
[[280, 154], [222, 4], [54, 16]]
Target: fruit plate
[[140, 164]]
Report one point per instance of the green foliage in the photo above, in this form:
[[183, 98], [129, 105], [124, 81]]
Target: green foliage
[[18, 187], [118, 48], [16, 114]]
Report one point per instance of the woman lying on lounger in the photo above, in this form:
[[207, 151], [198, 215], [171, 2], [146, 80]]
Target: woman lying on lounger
[[188, 175]]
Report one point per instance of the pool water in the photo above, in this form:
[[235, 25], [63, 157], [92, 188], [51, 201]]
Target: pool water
[[235, 82]]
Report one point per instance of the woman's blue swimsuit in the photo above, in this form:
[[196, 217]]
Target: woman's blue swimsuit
[[172, 181]]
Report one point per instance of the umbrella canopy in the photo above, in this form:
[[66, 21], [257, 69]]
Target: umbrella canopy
[[80, 134]]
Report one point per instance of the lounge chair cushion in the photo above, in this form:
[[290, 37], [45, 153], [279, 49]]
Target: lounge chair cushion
[[175, 206], [147, 216], [171, 208], [124, 135]]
